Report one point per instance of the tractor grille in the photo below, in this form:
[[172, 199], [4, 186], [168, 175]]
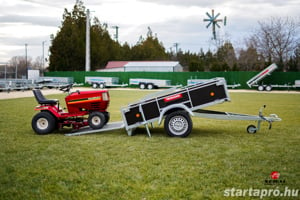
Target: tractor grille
[[95, 106]]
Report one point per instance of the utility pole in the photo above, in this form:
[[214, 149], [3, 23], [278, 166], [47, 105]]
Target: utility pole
[[176, 47], [26, 60], [87, 43], [43, 57], [117, 32]]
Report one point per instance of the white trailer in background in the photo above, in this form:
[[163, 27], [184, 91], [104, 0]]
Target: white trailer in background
[[102, 82], [254, 82], [196, 81], [149, 83], [53, 82]]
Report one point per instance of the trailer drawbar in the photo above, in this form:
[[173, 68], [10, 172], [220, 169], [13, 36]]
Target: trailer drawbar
[[174, 106]]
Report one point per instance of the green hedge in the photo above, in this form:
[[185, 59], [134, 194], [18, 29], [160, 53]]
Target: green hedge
[[232, 77]]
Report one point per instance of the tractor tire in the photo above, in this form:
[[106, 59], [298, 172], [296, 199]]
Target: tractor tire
[[178, 124], [96, 120], [107, 117], [43, 123]]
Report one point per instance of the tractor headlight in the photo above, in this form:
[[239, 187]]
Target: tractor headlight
[[105, 96]]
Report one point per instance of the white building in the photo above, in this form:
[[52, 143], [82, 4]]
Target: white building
[[142, 66]]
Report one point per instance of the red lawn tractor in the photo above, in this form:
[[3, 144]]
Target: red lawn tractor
[[85, 108]]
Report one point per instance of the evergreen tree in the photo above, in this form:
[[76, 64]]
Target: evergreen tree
[[149, 49], [68, 46]]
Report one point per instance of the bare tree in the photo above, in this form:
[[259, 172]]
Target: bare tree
[[276, 39], [18, 63]]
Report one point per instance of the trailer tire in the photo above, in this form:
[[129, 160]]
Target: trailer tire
[[43, 123], [96, 120], [101, 85], [251, 129], [261, 88], [95, 85], [268, 88], [142, 86], [150, 86], [178, 124]]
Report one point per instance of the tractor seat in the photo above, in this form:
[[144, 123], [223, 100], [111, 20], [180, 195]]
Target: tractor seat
[[42, 100]]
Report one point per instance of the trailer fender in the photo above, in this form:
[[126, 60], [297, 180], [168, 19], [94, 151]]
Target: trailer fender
[[174, 107]]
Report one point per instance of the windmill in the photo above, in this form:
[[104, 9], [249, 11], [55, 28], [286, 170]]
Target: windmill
[[212, 19]]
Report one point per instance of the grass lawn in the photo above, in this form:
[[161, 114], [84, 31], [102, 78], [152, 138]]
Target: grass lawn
[[216, 156]]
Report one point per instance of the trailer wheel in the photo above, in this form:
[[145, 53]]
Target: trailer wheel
[[260, 88], [178, 124], [43, 123], [142, 86], [268, 88], [101, 85], [94, 85], [251, 129], [96, 120], [150, 86]]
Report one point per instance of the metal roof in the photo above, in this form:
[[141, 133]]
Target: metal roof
[[120, 64]]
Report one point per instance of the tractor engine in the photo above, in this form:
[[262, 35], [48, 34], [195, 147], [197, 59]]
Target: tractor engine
[[87, 101]]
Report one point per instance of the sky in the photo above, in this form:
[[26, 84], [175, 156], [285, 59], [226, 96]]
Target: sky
[[32, 22]]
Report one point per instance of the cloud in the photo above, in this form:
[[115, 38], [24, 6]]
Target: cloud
[[217, 3], [33, 20]]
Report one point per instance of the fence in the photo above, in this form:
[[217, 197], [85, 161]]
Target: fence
[[232, 77]]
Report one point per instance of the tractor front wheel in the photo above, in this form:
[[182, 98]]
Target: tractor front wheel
[[43, 123], [96, 120]]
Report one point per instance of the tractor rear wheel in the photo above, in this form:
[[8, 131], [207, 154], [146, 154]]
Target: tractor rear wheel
[[96, 120], [43, 123]]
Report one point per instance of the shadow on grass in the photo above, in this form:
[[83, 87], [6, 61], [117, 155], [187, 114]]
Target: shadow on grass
[[196, 132]]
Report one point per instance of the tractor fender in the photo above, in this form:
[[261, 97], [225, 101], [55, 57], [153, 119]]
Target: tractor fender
[[173, 108], [51, 109]]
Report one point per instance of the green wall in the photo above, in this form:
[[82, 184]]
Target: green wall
[[232, 77]]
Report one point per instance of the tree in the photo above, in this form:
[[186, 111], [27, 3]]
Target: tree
[[276, 39], [149, 49], [294, 61], [249, 59], [226, 56], [103, 48], [18, 67], [68, 46]]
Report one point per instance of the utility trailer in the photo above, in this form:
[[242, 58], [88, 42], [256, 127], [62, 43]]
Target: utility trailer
[[254, 81], [53, 82], [175, 106], [195, 81], [149, 83], [102, 82]]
